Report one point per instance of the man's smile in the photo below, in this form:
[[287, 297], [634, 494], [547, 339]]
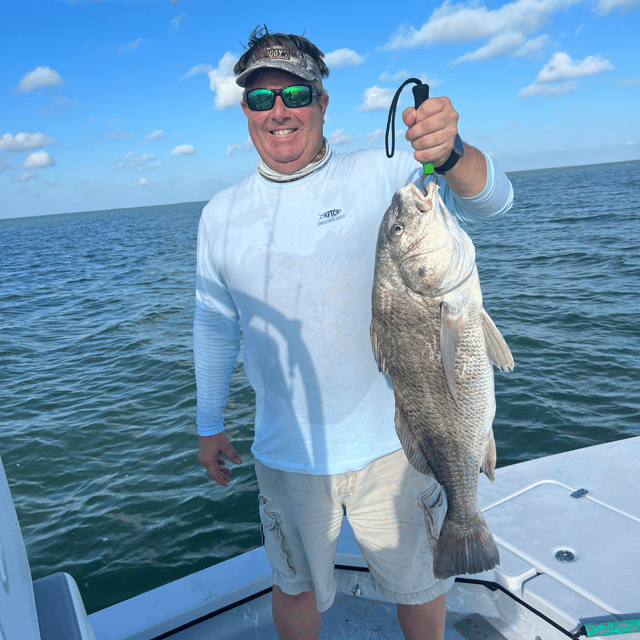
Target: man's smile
[[280, 133]]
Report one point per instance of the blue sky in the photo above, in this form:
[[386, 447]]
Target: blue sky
[[119, 103]]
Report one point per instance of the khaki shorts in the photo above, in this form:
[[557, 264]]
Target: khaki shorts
[[396, 514]]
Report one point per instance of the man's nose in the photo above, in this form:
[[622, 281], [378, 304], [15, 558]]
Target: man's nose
[[279, 109]]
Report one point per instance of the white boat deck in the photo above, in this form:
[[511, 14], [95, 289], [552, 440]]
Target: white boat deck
[[532, 513], [582, 506]]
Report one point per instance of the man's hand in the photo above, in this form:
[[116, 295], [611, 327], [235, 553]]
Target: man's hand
[[211, 450], [432, 130], [432, 133]]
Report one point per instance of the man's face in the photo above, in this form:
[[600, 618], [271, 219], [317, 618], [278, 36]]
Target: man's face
[[286, 139]]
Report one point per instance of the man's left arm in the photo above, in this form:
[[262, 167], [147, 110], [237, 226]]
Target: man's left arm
[[432, 131]]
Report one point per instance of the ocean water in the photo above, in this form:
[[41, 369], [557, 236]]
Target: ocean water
[[97, 390]]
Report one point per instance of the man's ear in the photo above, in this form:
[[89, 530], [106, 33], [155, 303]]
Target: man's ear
[[323, 100]]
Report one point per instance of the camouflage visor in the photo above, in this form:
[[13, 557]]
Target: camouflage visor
[[295, 62]]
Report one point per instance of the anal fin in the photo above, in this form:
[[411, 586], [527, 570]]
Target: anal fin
[[490, 458]]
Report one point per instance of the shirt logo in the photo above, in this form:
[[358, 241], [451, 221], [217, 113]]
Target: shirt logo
[[331, 216]]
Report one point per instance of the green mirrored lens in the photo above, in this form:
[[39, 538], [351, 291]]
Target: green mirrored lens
[[261, 99], [297, 96]]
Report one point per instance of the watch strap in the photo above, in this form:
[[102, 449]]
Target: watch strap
[[452, 159]]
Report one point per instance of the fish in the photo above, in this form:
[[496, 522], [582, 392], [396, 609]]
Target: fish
[[433, 339]]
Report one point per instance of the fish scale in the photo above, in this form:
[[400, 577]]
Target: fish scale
[[432, 337]]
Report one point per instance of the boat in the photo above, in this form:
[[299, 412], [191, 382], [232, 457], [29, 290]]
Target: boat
[[567, 526]]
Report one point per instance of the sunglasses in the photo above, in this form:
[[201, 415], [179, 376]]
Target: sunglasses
[[298, 95]]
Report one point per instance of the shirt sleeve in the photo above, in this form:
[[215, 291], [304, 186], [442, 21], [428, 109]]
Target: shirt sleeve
[[494, 200], [216, 337]]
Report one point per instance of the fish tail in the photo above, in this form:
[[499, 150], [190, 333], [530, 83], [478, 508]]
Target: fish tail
[[460, 550]]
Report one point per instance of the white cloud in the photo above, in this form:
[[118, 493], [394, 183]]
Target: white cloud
[[183, 149], [40, 77], [372, 138], [156, 134], [139, 163], [199, 68], [376, 98], [532, 46], [177, 21], [541, 89], [153, 165], [562, 69], [507, 28], [401, 75], [630, 83], [405, 75], [132, 46], [500, 45], [511, 43], [343, 58], [618, 6], [242, 147], [466, 22], [144, 182], [339, 137], [25, 177], [37, 160], [22, 141], [121, 134], [223, 81]]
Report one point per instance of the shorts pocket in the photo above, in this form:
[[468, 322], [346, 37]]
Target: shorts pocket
[[274, 541], [434, 507]]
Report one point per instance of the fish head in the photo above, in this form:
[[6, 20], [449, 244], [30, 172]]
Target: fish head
[[417, 237]]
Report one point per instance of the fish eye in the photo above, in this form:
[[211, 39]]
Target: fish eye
[[396, 229]]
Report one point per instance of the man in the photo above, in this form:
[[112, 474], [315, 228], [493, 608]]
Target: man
[[289, 253]]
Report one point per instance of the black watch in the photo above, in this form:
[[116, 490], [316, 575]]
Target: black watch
[[456, 153]]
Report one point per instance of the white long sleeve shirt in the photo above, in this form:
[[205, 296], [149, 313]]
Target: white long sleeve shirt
[[293, 263]]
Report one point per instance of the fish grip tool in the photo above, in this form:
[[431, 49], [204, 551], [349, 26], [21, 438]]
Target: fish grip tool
[[420, 94]]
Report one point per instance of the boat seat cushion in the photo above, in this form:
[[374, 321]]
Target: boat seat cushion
[[58, 615]]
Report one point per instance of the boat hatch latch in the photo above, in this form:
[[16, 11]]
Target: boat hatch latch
[[579, 493]]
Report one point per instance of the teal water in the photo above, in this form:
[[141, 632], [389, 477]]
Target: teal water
[[97, 390]]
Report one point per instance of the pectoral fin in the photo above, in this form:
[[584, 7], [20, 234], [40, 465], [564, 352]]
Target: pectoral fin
[[497, 348], [376, 349], [451, 327]]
